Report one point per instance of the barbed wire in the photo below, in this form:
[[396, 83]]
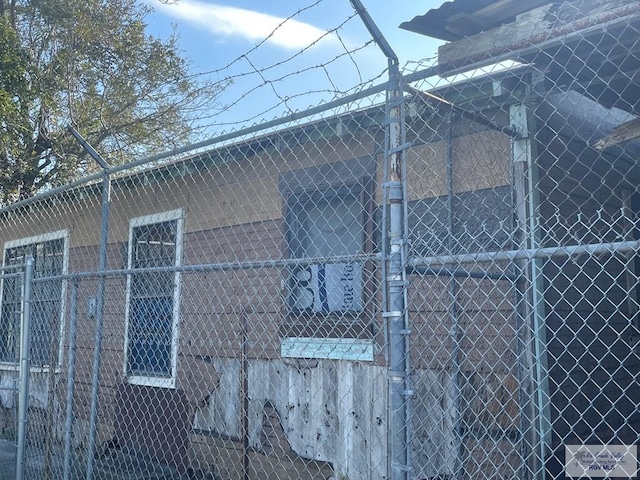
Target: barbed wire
[[331, 93], [279, 94]]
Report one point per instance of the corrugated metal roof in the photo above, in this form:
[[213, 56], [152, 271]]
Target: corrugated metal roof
[[460, 18]]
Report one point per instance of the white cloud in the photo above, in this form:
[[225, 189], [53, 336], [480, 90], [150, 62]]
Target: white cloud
[[225, 21]]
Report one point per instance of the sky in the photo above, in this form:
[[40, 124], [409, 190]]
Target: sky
[[285, 56]]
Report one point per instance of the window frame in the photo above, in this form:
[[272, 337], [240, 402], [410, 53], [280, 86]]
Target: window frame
[[169, 381], [352, 177], [296, 203], [35, 240]]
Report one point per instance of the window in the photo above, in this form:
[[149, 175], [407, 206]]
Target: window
[[324, 226], [329, 225], [49, 254], [152, 299]]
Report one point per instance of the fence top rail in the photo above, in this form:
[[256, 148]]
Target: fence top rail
[[219, 139], [217, 142]]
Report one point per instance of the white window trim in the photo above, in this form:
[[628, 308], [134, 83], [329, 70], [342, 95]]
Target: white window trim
[[45, 237], [151, 381], [351, 349]]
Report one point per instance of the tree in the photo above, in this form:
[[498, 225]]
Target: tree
[[89, 64], [14, 95]]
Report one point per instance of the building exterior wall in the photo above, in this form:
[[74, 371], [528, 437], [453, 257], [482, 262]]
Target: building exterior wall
[[231, 321]]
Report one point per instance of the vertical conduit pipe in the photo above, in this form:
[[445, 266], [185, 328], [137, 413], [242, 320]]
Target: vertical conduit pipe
[[23, 405], [395, 310], [408, 386]]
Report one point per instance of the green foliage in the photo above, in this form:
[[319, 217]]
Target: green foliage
[[89, 64], [14, 101]]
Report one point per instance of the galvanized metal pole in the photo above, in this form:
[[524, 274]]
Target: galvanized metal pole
[[71, 373], [102, 265], [531, 286], [97, 352], [394, 272], [395, 283], [23, 405], [396, 288], [454, 332]]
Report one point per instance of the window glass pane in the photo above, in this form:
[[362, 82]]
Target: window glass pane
[[46, 303], [333, 227], [151, 300], [150, 330], [10, 323], [154, 245]]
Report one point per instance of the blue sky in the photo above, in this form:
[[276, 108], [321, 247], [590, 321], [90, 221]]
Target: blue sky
[[280, 52]]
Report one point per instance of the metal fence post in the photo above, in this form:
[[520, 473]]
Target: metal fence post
[[532, 307], [395, 283], [95, 382], [102, 264], [23, 405], [453, 287], [71, 371], [395, 310]]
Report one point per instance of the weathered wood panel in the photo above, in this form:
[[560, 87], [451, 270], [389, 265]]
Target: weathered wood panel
[[434, 417], [222, 412], [330, 411], [480, 161], [537, 29]]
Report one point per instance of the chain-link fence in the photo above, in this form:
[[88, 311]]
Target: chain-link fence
[[522, 298], [522, 231], [441, 285]]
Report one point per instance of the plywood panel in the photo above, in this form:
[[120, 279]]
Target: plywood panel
[[480, 161]]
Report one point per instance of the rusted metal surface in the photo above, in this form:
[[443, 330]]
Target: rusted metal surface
[[546, 32]]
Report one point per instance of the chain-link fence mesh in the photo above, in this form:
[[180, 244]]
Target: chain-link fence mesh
[[240, 330], [522, 231], [272, 304]]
